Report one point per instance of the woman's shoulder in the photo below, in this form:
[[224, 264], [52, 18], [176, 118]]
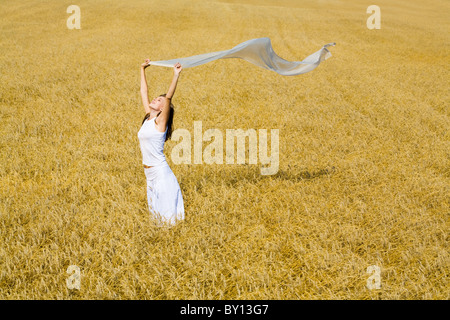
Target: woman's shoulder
[[157, 125]]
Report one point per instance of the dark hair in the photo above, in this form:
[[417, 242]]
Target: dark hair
[[169, 121]]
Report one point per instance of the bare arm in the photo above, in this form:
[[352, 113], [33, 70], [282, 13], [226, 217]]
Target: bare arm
[[164, 115], [173, 85], [144, 88]]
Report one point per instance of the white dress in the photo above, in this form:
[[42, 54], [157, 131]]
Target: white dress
[[164, 196]]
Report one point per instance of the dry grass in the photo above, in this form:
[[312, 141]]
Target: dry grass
[[364, 152]]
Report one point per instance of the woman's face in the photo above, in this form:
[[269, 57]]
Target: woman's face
[[158, 103]]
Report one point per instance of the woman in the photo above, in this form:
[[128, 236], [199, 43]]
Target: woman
[[163, 191]]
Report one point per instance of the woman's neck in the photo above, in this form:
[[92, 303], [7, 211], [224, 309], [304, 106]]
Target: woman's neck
[[153, 113]]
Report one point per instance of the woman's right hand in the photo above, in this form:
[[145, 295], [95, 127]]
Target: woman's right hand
[[145, 64]]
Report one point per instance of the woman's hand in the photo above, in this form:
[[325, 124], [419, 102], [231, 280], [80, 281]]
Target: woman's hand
[[177, 68], [145, 64]]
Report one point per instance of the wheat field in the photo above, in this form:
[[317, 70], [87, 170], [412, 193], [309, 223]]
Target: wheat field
[[364, 154]]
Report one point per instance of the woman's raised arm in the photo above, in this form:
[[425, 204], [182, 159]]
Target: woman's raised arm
[[144, 88], [164, 115], [176, 73]]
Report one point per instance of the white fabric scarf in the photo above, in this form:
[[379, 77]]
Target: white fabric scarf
[[259, 52]]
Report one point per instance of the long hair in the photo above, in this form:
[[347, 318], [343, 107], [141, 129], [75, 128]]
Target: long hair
[[169, 121]]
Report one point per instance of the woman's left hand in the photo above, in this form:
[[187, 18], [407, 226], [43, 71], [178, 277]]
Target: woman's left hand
[[145, 64], [177, 68]]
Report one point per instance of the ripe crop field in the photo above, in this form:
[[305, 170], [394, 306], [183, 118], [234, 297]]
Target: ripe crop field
[[364, 152]]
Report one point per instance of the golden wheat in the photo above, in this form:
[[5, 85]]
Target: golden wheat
[[364, 152]]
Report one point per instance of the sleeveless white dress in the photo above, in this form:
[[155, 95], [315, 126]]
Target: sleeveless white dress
[[164, 196]]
